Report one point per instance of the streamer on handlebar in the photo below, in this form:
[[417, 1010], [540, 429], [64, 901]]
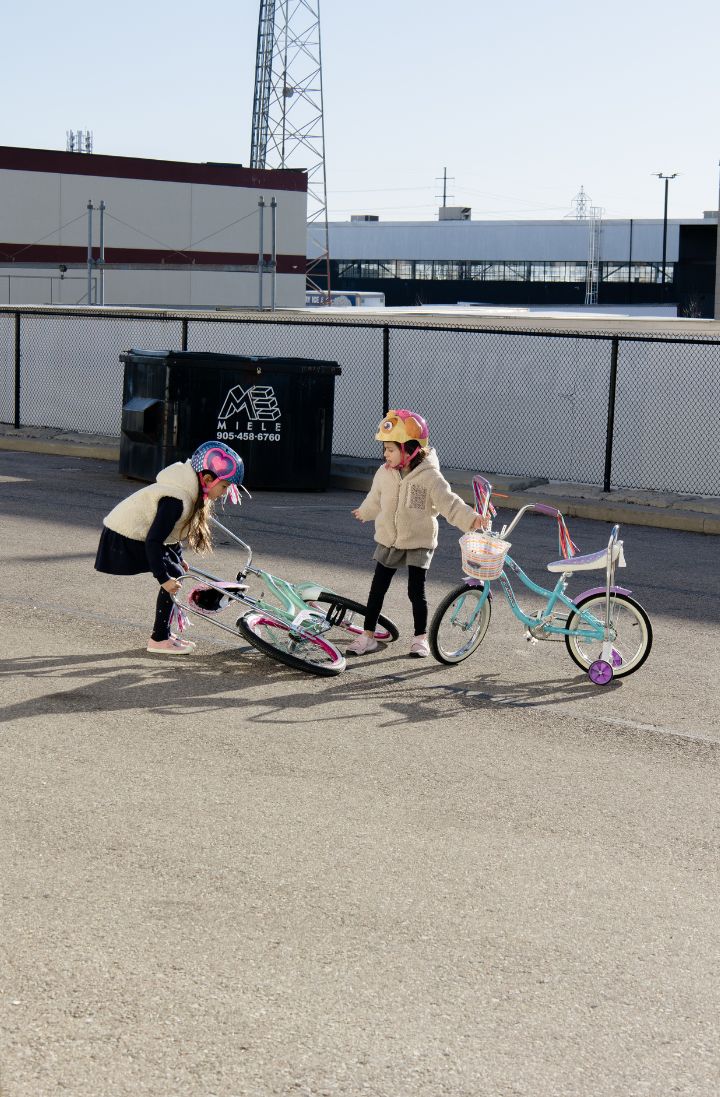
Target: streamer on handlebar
[[567, 546], [481, 491], [179, 618]]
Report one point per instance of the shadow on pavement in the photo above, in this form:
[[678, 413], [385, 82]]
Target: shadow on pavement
[[125, 680]]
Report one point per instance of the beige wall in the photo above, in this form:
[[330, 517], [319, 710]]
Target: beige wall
[[171, 288], [47, 208]]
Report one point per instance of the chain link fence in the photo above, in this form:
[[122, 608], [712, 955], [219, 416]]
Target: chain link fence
[[614, 410]]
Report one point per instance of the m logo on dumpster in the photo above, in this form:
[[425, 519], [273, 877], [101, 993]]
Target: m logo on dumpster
[[250, 415]]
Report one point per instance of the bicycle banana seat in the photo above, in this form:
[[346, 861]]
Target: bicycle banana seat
[[591, 561]]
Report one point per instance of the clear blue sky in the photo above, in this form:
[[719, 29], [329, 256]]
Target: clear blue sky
[[524, 103]]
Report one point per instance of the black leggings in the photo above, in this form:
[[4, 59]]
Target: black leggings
[[416, 593], [164, 605]]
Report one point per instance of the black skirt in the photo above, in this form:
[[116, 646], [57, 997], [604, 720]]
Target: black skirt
[[120, 555]]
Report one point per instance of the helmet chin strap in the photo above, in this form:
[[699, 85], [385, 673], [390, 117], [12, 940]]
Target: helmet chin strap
[[405, 460], [233, 492]]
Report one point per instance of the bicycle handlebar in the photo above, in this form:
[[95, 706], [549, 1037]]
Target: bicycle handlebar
[[235, 538]]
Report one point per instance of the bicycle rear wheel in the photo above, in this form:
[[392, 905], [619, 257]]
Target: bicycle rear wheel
[[347, 618], [631, 635], [312, 654], [459, 624]]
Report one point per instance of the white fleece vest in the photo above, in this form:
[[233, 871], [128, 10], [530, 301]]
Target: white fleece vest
[[134, 515]]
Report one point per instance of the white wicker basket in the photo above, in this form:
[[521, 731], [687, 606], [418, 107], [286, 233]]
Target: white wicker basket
[[483, 554]]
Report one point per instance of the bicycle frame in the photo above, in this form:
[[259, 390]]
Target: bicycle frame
[[293, 610], [542, 620]]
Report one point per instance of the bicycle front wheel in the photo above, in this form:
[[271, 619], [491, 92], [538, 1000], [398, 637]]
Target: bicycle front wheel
[[459, 624], [631, 633], [312, 654], [347, 618]]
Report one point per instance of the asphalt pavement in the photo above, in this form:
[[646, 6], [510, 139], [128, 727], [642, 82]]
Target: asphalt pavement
[[224, 878], [662, 509]]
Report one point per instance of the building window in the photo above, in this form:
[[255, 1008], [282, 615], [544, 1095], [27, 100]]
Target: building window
[[635, 272], [501, 271], [498, 272], [558, 272], [448, 272]]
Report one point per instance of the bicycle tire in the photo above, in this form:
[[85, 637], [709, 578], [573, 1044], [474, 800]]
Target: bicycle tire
[[631, 651], [386, 631], [276, 636], [440, 646]]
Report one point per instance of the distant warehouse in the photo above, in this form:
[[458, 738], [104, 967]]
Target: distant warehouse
[[174, 234], [526, 262]]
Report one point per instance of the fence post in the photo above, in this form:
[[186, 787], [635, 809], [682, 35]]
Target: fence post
[[184, 336], [386, 369], [17, 371], [611, 412]]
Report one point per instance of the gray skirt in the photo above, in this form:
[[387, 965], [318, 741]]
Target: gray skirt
[[397, 558]]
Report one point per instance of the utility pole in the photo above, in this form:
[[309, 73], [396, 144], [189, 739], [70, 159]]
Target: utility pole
[[444, 187], [101, 260], [261, 250], [90, 209], [667, 179]]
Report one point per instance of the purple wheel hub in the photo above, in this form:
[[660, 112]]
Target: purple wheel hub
[[600, 672]]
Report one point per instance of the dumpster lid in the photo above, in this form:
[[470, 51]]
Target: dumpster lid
[[259, 362]]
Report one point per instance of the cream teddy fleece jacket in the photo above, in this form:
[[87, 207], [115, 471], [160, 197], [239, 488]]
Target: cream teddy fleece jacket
[[405, 507], [133, 516]]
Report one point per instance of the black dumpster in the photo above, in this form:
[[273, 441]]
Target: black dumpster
[[276, 412]]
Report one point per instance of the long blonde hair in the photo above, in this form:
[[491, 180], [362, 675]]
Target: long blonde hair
[[197, 526]]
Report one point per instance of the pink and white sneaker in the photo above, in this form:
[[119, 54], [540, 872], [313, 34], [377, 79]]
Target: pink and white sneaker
[[171, 646], [363, 645], [182, 640], [420, 649]]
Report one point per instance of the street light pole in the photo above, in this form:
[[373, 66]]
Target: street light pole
[[667, 179]]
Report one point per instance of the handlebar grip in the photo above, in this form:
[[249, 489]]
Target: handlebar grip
[[544, 508]]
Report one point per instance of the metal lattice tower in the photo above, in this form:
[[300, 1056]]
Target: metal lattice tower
[[288, 127], [580, 205]]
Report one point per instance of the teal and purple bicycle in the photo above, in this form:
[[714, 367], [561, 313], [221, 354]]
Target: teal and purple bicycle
[[304, 625], [606, 632]]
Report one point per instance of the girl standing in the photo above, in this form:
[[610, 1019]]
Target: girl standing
[[143, 532], [407, 494]]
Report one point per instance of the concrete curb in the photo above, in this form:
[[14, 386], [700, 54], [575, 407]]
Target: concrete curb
[[603, 509], [61, 449]]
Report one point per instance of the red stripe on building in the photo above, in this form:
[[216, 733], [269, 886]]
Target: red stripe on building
[[55, 254], [55, 162]]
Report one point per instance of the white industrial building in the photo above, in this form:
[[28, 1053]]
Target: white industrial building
[[174, 234], [547, 262]]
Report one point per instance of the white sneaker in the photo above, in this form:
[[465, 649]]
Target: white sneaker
[[362, 645], [420, 649]]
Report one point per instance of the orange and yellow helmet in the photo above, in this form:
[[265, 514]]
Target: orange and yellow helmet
[[402, 426]]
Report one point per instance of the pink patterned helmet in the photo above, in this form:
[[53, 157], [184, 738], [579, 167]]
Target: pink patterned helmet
[[217, 458]]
